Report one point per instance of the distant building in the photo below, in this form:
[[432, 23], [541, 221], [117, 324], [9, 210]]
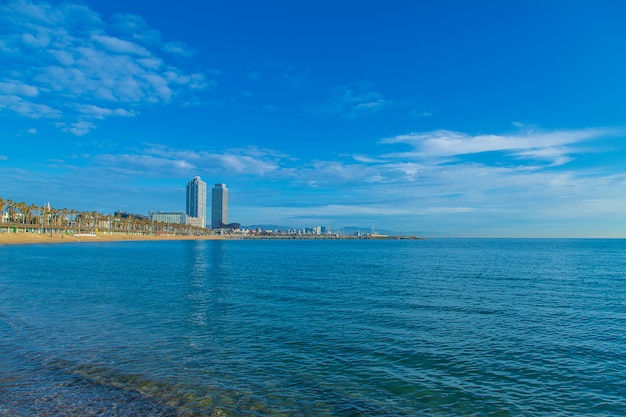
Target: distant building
[[174, 218], [219, 206], [196, 202]]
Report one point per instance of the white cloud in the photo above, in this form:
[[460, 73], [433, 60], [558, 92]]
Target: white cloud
[[32, 131], [79, 128], [96, 112], [120, 46], [18, 89], [28, 109], [63, 60], [153, 160], [368, 159], [243, 164], [553, 146], [144, 166], [557, 155]]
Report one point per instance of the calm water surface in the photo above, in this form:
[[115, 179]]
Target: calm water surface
[[314, 328]]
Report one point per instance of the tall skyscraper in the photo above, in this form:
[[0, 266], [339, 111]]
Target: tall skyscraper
[[219, 206], [196, 202]]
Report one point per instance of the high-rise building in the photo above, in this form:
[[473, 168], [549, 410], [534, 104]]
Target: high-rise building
[[196, 201], [219, 206]]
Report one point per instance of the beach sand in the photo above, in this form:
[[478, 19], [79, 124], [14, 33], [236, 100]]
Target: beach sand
[[34, 238]]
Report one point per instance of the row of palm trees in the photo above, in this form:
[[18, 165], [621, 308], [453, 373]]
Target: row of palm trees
[[46, 218]]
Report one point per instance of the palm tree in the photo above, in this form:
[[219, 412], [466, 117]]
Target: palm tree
[[94, 219], [56, 214], [72, 219], [80, 216], [86, 217], [2, 212], [109, 222], [2, 204], [20, 208], [44, 214], [64, 218], [9, 204]]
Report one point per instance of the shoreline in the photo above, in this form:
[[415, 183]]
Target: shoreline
[[28, 238], [31, 238]]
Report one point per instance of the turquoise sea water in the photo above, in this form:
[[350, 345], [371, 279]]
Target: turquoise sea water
[[445, 327]]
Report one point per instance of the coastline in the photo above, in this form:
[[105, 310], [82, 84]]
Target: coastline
[[26, 238], [33, 237]]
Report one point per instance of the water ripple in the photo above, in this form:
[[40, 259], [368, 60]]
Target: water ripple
[[309, 328]]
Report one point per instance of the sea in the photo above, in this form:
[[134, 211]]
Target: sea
[[439, 327]]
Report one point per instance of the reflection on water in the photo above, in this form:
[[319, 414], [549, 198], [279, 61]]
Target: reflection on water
[[200, 291]]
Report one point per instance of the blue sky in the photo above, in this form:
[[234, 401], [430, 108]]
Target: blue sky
[[483, 118]]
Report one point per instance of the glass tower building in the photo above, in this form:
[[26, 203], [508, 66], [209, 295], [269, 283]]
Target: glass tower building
[[219, 206], [196, 200]]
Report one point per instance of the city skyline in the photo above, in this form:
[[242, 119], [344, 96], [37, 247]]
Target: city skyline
[[481, 119]]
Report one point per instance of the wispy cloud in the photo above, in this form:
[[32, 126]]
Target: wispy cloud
[[178, 48], [555, 146], [353, 101], [149, 166], [64, 62], [96, 112], [79, 128], [158, 160], [27, 108], [18, 89]]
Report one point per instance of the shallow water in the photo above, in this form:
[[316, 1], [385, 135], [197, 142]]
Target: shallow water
[[439, 327]]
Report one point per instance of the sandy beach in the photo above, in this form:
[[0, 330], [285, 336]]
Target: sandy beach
[[39, 238]]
